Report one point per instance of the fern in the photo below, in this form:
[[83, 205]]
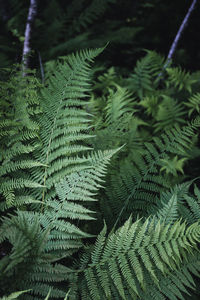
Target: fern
[[193, 104], [145, 72], [41, 238], [180, 79], [35, 249], [19, 138], [63, 123], [137, 183], [51, 178], [118, 105], [13, 295], [169, 113], [169, 212], [121, 265], [175, 285]]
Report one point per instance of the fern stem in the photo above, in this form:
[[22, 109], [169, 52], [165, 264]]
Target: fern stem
[[47, 153]]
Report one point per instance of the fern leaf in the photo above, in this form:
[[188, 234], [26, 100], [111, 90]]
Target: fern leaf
[[128, 268]]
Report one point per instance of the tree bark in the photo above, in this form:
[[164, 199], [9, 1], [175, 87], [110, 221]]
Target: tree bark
[[177, 38], [180, 31], [28, 31]]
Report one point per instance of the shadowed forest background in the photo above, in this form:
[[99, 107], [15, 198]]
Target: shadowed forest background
[[99, 150], [129, 26]]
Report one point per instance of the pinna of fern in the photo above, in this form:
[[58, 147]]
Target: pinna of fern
[[19, 132]]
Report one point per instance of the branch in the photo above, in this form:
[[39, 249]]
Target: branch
[[177, 38], [180, 31], [29, 25]]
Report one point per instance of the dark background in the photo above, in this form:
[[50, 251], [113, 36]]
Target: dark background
[[128, 25]]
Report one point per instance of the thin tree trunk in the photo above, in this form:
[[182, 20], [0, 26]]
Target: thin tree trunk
[[177, 38], [180, 31], [27, 41]]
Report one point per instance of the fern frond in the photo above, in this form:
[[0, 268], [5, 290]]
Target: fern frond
[[136, 184], [193, 104], [177, 283], [172, 166], [169, 212], [122, 262], [64, 124], [19, 138], [41, 239], [169, 113], [142, 82], [118, 104], [150, 103], [14, 295], [180, 79]]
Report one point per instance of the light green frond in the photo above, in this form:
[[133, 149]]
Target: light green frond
[[180, 79], [193, 104], [118, 104], [64, 123], [13, 295], [170, 112], [128, 265], [172, 166], [137, 183], [150, 103], [143, 81], [169, 212]]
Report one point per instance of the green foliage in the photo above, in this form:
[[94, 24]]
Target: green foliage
[[13, 295], [128, 142], [43, 234], [121, 265]]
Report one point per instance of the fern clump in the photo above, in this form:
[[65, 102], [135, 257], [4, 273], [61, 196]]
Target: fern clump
[[126, 142]]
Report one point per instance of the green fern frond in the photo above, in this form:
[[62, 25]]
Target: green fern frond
[[136, 184], [177, 283], [118, 104], [172, 166], [64, 124], [170, 112], [122, 262], [142, 82], [169, 212], [193, 104], [150, 103], [41, 239], [14, 295], [19, 138], [180, 79]]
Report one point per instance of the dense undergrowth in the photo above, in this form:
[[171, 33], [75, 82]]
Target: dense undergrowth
[[99, 181]]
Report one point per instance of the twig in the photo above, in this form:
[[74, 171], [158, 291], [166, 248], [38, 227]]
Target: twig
[[180, 31], [178, 36], [29, 25]]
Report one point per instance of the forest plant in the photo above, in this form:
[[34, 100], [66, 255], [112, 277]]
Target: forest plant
[[51, 177]]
